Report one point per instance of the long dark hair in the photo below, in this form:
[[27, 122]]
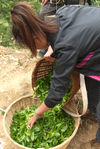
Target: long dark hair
[[26, 24]]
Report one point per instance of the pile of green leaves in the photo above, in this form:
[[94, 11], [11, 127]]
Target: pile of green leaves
[[43, 85], [54, 129]]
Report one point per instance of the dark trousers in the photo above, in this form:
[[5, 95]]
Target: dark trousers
[[93, 91]]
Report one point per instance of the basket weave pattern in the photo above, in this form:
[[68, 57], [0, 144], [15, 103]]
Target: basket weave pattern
[[42, 67]]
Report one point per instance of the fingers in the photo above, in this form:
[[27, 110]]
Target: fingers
[[31, 125], [31, 122]]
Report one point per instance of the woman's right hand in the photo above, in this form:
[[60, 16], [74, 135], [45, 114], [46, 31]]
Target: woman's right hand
[[38, 114], [32, 121]]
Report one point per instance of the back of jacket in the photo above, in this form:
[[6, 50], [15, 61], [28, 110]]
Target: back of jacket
[[80, 30]]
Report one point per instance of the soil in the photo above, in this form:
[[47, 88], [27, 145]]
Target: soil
[[16, 68]]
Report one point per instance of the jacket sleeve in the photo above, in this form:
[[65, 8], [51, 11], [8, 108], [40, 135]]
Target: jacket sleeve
[[65, 64]]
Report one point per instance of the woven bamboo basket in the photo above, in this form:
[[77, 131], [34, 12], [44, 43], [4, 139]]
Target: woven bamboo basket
[[24, 102], [72, 105]]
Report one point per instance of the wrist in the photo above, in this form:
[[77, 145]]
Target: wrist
[[38, 116], [34, 118]]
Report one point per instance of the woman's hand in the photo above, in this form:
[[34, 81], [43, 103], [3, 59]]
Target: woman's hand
[[38, 114], [32, 121], [45, 1], [49, 52]]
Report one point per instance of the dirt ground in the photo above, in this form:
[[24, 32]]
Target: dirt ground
[[15, 81]]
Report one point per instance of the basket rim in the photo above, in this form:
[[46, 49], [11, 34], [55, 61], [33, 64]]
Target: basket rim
[[63, 143]]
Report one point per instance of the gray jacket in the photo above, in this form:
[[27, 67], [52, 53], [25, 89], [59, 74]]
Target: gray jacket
[[77, 47]]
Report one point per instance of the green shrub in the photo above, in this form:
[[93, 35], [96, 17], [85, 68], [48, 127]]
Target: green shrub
[[6, 38]]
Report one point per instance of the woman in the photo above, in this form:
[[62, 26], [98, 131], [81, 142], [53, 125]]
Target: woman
[[75, 41]]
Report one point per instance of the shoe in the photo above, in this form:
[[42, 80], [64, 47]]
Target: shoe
[[90, 116], [95, 144]]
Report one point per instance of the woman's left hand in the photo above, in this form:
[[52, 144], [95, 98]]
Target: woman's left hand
[[49, 52]]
